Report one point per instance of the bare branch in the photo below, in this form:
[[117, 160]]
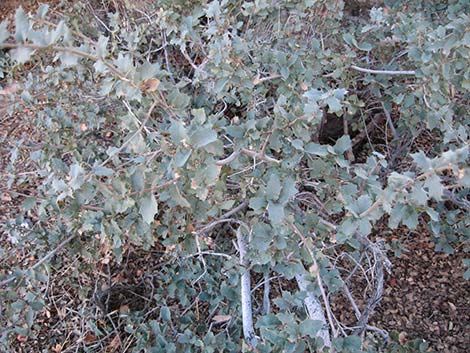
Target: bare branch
[[266, 302], [258, 155], [314, 309], [319, 281], [383, 72], [43, 260], [223, 219], [245, 281]]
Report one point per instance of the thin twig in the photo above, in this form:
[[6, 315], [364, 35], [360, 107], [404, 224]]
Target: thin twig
[[222, 219], [266, 302], [390, 122], [124, 145], [383, 72], [257, 155], [43, 260]]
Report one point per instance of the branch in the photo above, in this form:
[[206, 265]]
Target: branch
[[245, 282], [124, 145], [383, 72], [258, 80], [258, 155], [380, 261], [71, 50], [43, 260], [266, 303], [314, 309], [320, 284], [223, 219], [420, 177]]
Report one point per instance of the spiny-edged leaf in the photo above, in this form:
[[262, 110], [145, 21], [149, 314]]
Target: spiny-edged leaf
[[342, 144], [58, 32], [418, 195], [148, 208], [177, 131], [181, 156], [199, 115], [276, 213], [316, 149], [203, 137], [288, 190], [67, 58], [21, 55], [410, 218], [148, 70], [349, 38], [42, 10], [258, 203], [76, 176], [179, 100], [101, 50], [423, 162], [396, 215], [165, 313], [434, 187], [346, 230], [4, 34], [22, 25], [363, 203], [28, 203], [269, 320], [334, 104], [103, 171], [310, 327], [273, 188]]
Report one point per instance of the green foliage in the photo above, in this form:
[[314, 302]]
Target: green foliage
[[239, 92]]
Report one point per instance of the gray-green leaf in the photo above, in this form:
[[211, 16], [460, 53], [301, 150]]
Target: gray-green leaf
[[148, 208]]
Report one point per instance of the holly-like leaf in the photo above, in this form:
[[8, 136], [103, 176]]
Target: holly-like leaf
[[276, 213], [22, 25], [76, 176], [148, 208], [310, 327], [177, 131], [203, 137], [343, 144], [4, 34], [21, 55], [273, 188], [434, 187]]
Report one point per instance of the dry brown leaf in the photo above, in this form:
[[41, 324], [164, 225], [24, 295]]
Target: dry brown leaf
[[57, 348], [89, 337], [402, 337], [114, 344], [124, 309], [150, 85], [219, 319]]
